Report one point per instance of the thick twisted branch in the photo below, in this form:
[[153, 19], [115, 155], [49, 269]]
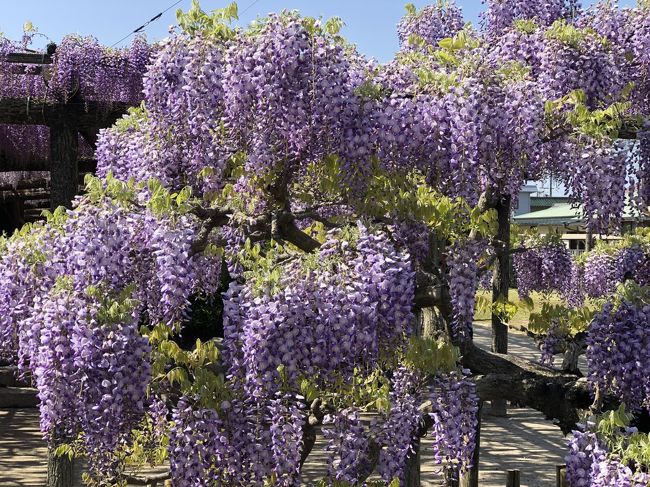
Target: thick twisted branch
[[281, 226], [559, 395]]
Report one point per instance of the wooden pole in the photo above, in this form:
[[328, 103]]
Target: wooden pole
[[59, 470], [469, 478], [451, 480], [500, 288], [64, 170], [513, 479], [560, 475], [501, 282], [413, 468], [474, 471], [589, 243]]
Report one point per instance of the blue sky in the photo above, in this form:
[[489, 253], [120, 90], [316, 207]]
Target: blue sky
[[369, 23]]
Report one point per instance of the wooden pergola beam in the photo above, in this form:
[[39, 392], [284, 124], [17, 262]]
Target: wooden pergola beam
[[10, 165], [28, 58], [25, 194], [42, 204], [83, 114], [39, 183]]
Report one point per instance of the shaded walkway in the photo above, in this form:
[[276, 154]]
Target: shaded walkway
[[23, 454], [523, 440]]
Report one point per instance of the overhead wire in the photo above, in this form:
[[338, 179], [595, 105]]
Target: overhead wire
[[249, 7], [143, 26], [156, 17]]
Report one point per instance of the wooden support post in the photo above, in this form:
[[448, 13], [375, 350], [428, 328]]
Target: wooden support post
[[501, 281], [513, 479], [470, 478], [589, 243], [59, 470], [64, 171], [451, 477], [413, 468], [500, 288], [560, 475]]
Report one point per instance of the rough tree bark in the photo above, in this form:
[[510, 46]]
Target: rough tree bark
[[64, 171], [501, 281], [59, 470], [558, 395], [500, 288]]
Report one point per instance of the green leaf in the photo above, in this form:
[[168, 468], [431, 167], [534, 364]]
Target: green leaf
[[178, 375], [334, 25], [64, 450], [527, 26], [447, 43]]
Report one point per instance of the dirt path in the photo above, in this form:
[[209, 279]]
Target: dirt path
[[523, 440]]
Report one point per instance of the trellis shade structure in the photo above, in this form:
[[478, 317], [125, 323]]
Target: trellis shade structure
[[53, 104]]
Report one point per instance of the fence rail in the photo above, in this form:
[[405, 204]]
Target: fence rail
[[513, 478]]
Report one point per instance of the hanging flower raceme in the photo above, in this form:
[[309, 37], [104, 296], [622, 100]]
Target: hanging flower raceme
[[544, 268], [432, 24], [590, 463], [501, 14], [618, 353], [89, 279], [463, 284], [310, 322], [91, 367]]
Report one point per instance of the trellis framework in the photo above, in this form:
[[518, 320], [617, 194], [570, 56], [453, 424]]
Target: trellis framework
[[30, 188]]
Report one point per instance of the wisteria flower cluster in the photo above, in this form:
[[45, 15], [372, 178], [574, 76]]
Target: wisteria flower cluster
[[617, 353], [590, 464], [88, 280], [463, 284], [544, 268], [432, 24], [315, 325], [235, 124]]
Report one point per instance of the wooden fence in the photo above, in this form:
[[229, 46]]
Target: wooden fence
[[513, 479]]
